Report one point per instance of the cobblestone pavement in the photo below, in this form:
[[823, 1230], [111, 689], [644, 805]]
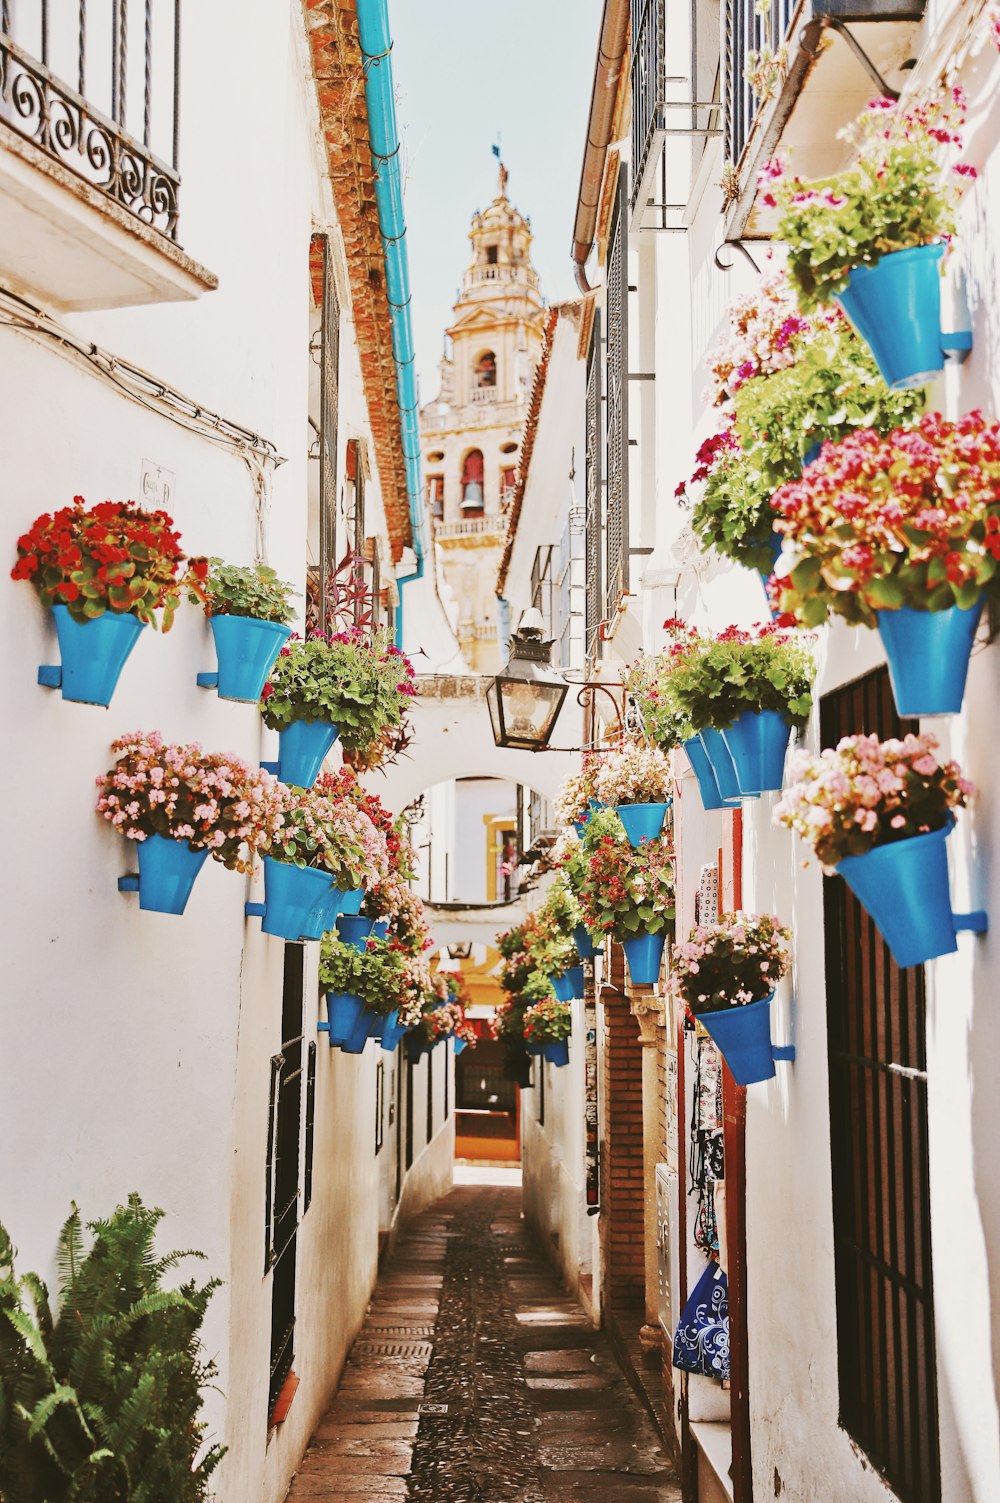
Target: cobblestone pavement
[[476, 1379]]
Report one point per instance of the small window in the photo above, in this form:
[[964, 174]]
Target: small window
[[472, 482], [436, 457], [435, 496], [506, 449], [486, 369], [491, 255]]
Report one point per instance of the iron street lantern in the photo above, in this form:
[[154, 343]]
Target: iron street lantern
[[526, 696]]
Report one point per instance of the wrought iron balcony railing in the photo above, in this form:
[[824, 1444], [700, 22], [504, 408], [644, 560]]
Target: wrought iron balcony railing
[[747, 31], [648, 79], [125, 95]]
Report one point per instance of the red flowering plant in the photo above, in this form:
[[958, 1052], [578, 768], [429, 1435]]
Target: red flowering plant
[[357, 680], [714, 680], [212, 800], [114, 557], [385, 898], [547, 1021], [625, 892], [911, 519]]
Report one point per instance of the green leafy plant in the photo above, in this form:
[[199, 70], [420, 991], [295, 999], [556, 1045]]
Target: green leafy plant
[[768, 668], [649, 690], [625, 892], [732, 963], [378, 974], [355, 680], [548, 1021], [902, 190], [100, 1396], [245, 590]]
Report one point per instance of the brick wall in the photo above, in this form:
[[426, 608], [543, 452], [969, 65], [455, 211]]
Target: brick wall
[[624, 1265]]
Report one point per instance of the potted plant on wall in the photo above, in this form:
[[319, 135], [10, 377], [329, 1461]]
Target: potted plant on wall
[[323, 848], [549, 1022], [354, 683], [180, 805], [752, 688], [104, 573], [628, 894], [902, 533], [878, 813], [575, 801], [649, 683], [248, 609], [871, 237], [363, 988], [726, 974], [636, 781], [567, 857]]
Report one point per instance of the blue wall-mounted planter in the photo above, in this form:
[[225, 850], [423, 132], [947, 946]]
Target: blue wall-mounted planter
[[294, 898], [362, 1031], [711, 798], [579, 826], [896, 307], [325, 915], [301, 750], [167, 872], [92, 653], [460, 1044], [391, 1032], [757, 741], [743, 1035], [904, 887], [722, 765], [355, 930], [569, 986], [343, 1009], [644, 954], [928, 654], [585, 947], [642, 821], [380, 929], [246, 650], [557, 1053], [350, 902]]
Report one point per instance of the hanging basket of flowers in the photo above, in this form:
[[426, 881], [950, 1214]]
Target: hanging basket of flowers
[[323, 849], [181, 805], [354, 684], [628, 894], [726, 974], [365, 989], [871, 238], [575, 801], [248, 609], [650, 684], [548, 1024], [636, 781], [104, 573], [901, 533], [878, 813]]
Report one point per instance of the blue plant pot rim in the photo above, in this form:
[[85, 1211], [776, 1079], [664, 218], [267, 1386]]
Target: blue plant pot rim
[[932, 250], [911, 842]]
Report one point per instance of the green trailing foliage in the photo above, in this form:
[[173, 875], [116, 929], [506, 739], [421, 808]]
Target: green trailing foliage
[[100, 1393], [246, 590], [768, 669]]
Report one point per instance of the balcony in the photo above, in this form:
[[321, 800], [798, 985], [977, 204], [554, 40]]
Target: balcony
[[471, 527], [497, 274], [840, 54], [89, 185]]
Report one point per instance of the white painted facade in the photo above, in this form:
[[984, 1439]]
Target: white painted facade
[[800, 1450], [138, 1047]]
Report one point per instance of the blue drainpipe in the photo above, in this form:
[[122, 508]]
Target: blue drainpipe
[[376, 48]]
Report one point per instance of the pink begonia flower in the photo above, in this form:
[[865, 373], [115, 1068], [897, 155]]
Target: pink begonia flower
[[926, 766]]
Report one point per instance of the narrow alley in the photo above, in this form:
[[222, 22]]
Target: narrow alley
[[477, 1379]]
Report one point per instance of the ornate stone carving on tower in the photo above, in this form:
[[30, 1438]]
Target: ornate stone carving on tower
[[470, 433]]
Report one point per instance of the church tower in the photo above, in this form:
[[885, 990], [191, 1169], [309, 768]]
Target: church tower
[[470, 433]]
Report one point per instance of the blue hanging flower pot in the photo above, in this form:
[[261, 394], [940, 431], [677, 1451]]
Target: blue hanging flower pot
[[928, 654], [324, 915], [380, 929], [644, 954], [722, 765], [585, 947], [293, 898], [743, 1035], [757, 741], [896, 308], [415, 1050], [245, 649], [362, 1031], [355, 930], [350, 902], [711, 798], [904, 888], [642, 821], [579, 826], [167, 870], [302, 747], [557, 1053], [533, 1049], [569, 985], [343, 1009], [93, 653], [392, 1031], [460, 1044]]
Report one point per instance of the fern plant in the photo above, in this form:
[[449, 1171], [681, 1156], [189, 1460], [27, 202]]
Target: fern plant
[[100, 1398]]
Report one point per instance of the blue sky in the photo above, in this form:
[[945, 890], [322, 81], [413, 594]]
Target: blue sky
[[464, 70]]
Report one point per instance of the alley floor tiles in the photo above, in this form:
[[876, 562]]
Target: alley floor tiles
[[476, 1379]]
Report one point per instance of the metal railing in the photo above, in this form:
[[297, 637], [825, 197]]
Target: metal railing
[[746, 32], [648, 79], [124, 98], [616, 579]]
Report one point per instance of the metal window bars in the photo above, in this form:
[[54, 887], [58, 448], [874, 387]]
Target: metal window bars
[[617, 539]]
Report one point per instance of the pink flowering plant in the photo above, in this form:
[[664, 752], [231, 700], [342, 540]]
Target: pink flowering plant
[[334, 836], [912, 518], [766, 333], [213, 800], [868, 792], [548, 1021], [732, 963], [356, 680], [634, 774], [714, 680], [902, 190], [625, 892], [572, 802]]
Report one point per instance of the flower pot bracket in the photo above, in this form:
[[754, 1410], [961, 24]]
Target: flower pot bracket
[[976, 922], [208, 680], [50, 675], [271, 767], [783, 1051], [129, 883], [254, 910], [957, 345]]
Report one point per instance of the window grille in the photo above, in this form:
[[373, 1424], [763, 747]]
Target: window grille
[[617, 406], [329, 389], [543, 586], [876, 1019], [571, 591], [283, 1172], [594, 480], [648, 78], [746, 31]]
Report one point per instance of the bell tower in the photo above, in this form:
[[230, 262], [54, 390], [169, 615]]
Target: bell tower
[[470, 433]]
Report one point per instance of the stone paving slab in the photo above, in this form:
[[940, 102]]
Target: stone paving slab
[[535, 1409]]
